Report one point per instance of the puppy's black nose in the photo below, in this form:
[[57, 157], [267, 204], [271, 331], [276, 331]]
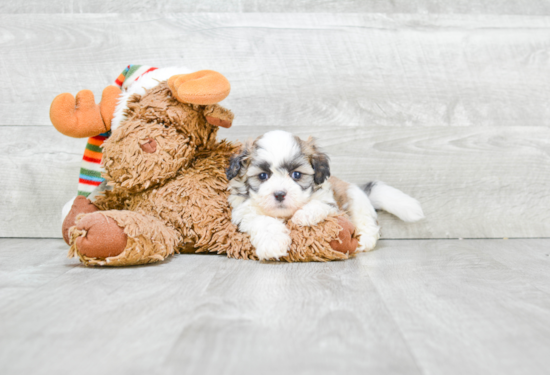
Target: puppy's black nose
[[280, 195]]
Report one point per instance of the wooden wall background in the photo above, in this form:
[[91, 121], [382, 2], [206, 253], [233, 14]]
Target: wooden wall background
[[447, 100]]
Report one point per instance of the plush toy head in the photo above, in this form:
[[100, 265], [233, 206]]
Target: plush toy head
[[160, 136]]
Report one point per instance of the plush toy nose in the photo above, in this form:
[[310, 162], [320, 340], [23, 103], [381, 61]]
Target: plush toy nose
[[149, 147], [280, 195]]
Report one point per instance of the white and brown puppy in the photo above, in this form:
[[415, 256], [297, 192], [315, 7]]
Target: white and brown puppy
[[279, 177]]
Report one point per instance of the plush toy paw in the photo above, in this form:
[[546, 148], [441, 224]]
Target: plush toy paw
[[347, 242], [103, 237], [81, 205]]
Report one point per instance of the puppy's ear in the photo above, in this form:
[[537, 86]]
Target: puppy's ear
[[319, 161], [321, 167], [235, 165], [238, 162]]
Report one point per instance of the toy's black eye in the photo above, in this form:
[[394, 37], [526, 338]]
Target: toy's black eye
[[165, 126], [296, 175], [263, 176]]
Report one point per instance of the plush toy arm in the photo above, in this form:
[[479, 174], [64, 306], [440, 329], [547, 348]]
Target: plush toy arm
[[82, 117]]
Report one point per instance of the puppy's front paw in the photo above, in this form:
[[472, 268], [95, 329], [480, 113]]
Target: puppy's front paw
[[367, 240], [305, 218], [270, 245]]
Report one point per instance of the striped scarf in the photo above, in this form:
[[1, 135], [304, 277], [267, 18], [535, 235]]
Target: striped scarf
[[131, 74], [91, 169]]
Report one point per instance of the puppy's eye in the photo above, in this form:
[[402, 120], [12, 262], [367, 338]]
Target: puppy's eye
[[296, 175], [165, 126], [263, 176]]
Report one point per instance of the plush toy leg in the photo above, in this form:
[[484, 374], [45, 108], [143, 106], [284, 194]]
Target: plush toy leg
[[332, 239], [81, 205], [347, 241], [121, 238]]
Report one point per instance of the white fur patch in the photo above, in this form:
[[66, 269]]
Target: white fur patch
[[276, 146], [363, 216], [394, 201]]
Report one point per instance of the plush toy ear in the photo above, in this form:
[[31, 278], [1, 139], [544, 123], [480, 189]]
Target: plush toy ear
[[219, 116], [81, 117], [203, 87]]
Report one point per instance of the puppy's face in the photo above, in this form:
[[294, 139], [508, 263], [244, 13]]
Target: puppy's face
[[278, 172]]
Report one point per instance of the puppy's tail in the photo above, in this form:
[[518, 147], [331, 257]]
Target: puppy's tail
[[389, 199]]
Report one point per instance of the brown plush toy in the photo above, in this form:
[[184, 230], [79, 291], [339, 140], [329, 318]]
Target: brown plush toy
[[158, 181]]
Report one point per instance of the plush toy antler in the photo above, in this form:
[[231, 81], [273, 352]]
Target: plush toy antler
[[82, 118], [203, 87]]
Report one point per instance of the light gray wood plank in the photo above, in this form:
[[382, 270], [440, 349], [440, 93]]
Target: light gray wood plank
[[533, 266], [26, 265], [202, 314], [532, 7], [472, 182], [292, 69], [461, 311], [415, 307]]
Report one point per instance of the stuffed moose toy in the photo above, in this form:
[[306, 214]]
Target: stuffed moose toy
[[153, 179]]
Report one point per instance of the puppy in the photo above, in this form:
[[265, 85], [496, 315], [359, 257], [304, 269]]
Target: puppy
[[279, 177]]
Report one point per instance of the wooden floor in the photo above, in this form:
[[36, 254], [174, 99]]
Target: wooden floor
[[410, 307]]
